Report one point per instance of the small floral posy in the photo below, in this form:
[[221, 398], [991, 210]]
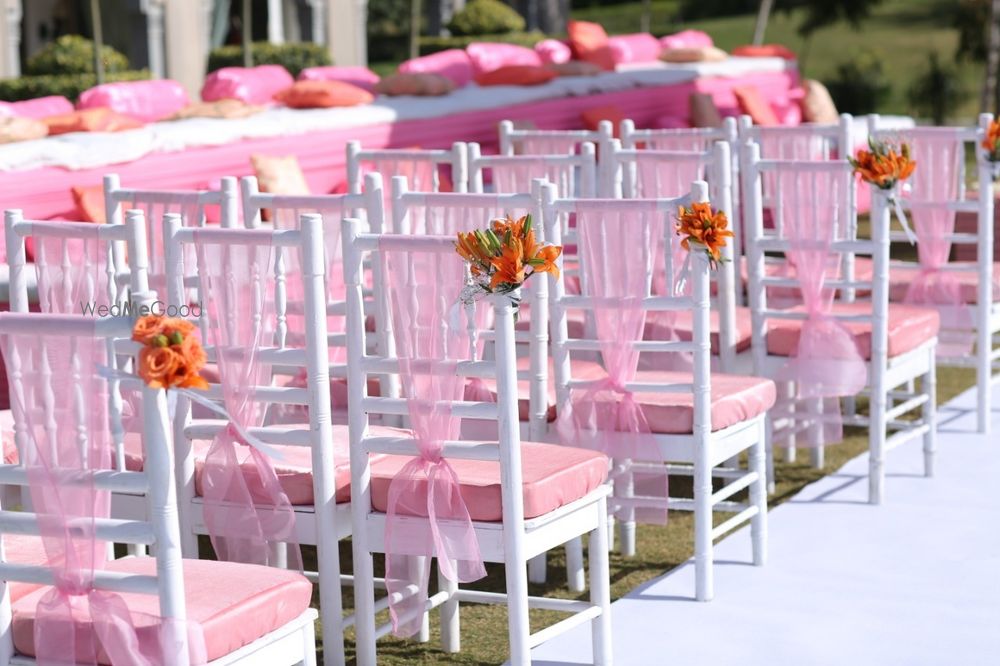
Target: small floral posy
[[884, 165], [171, 355], [705, 228], [991, 144], [503, 256]]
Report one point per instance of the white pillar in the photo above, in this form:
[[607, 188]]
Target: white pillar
[[318, 8], [346, 31], [153, 9], [186, 53], [275, 22], [10, 38]]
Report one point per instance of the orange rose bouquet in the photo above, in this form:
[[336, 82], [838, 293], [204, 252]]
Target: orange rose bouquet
[[884, 164], [703, 227], [171, 355], [503, 256]]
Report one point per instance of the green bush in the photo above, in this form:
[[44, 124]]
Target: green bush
[[293, 57], [72, 54], [430, 45], [67, 85], [486, 17], [936, 90], [860, 85]]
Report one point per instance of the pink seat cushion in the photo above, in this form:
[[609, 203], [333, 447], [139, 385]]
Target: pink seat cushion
[[235, 604], [735, 399], [21, 549], [909, 327], [901, 277], [553, 476], [683, 326]]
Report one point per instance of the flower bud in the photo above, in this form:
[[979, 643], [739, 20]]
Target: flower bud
[[176, 338], [160, 341]]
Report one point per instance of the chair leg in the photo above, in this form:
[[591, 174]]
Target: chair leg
[[876, 441], [309, 645], [537, 569], [576, 578], [790, 393], [769, 452], [600, 589], [816, 451], [758, 498], [451, 638], [930, 416], [517, 611], [703, 524], [626, 530], [364, 608], [417, 564]]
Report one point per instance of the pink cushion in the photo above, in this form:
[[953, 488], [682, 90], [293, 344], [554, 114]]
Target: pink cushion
[[41, 107], [454, 64], [909, 327], [235, 604], [361, 77], [21, 549], [637, 47], [147, 101], [253, 85], [553, 476], [682, 326], [489, 56], [553, 51], [901, 277], [686, 39]]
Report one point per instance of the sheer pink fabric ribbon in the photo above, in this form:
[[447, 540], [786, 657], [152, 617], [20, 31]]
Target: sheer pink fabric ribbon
[[935, 184], [431, 339], [63, 404], [246, 511], [827, 363], [605, 416]]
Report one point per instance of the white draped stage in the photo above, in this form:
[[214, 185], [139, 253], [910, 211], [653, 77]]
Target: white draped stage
[[914, 582]]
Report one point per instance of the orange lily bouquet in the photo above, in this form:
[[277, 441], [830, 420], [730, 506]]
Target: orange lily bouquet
[[884, 165], [171, 354], [991, 144], [703, 227], [503, 256]]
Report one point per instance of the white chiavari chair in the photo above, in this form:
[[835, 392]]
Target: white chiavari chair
[[181, 611], [514, 141], [573, 175], [696, 421], [509, 526], [421, 167], [935, 195], [833, 346]]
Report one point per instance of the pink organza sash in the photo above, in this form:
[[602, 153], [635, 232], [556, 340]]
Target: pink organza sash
[[617, 251], [827, 363], [63, 404], [935, 183], [192, 215], [431, 338], [246, 511]]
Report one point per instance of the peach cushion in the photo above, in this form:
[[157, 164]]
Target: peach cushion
[[765, 51], [817, 105], [753, 103], [900, 278], [417, 84], [279, 175], [909, 327], [553, 476], [589, 41], [235, 604], [223, 108], [323, 95], [682, 327], [735, 398], [704, 112], [21, 549], [14, 128], [90, 203], [453, 64], [490, 56], [90, 120], [516, 75], [693, 54], [593, 117]]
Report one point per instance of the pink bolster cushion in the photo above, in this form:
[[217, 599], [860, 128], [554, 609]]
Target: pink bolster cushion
[[453, 64], [686, 39], [361, 77], [489, 56], [147, 101], [253, 85], [638, 47], [553, 51], [42, 107]]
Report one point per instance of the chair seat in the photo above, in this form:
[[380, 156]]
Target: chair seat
[[235, 604], [22, 549], [901, 277], [682, 325], [909, 327], [579, 367], [735, 399], [553, 476]]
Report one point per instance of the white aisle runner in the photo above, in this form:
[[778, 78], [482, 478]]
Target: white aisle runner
[[913, 582]]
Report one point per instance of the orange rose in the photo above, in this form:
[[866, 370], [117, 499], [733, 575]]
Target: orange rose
[[158, 366], [148, 327]]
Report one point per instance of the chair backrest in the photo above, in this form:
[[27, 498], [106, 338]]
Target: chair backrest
[[421, 168], [807, 142], [696, 139], [812, 210], [573, 175], [55, 363], [551, 142], [620, 241]]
